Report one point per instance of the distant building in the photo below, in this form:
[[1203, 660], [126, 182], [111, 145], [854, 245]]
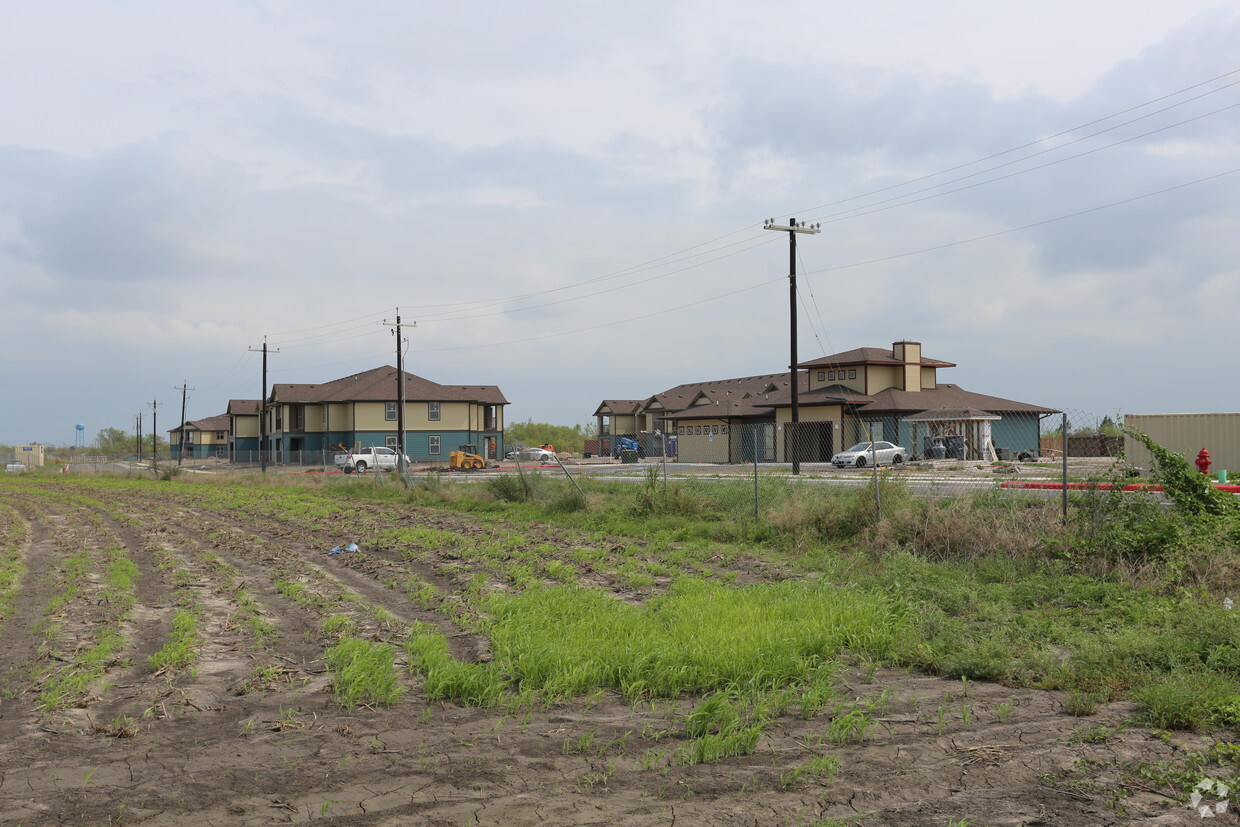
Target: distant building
[[361, 411], [885, 394], [202, 438], [243, 427]]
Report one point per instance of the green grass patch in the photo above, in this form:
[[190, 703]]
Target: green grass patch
[[181, 650], [363, 673]]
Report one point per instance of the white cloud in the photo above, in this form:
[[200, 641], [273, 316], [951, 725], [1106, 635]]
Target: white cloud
[[180, 182]]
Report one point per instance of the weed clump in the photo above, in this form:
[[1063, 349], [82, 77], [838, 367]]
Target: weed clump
[[363, 673]]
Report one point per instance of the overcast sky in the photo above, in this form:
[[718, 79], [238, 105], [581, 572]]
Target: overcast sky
[[568, 197]]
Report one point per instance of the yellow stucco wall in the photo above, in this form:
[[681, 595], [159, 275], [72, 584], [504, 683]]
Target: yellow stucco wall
[[246, 426], [699, 445], [453, 416], [883, 377], [623, 424], [929, 377]]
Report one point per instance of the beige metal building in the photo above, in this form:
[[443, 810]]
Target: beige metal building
[[1187, 434]]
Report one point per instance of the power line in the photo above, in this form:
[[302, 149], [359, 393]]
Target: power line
[[1030, 226], [834, 268], [674, 257], [470, 310]]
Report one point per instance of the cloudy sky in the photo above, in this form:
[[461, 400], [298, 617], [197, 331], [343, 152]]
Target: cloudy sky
[[568, 196]]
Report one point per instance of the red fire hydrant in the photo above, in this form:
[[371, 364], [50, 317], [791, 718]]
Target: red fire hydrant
[[1203, 461]]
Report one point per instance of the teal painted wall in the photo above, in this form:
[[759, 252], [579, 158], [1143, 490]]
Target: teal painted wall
[[1016, 432]]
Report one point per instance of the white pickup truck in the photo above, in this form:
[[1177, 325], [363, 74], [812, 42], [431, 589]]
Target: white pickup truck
[[385, 459]]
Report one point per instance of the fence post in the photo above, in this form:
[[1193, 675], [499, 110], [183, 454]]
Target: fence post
[[754, 434], [1063, 430]]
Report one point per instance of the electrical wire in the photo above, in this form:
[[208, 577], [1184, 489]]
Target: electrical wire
[[468, 310], [835, 268], [1030, 226], [902, 203], [674, 256]]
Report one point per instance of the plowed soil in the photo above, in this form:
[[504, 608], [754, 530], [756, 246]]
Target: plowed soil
[[252, 735]]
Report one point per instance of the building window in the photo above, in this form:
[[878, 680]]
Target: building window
[[390, 441], [697, 429], [389, 412], [219, 435], [723, 429], [852, 374], [821, 375], [432, 411], [831, 374], [433, 444]]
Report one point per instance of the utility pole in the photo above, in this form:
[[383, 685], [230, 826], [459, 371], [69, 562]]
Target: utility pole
[[262, 410], [792, 228], [137, 436], [184, 390], [154, 403], [400, 392]]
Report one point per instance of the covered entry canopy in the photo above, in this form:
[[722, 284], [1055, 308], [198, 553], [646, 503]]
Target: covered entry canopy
[[953, 433]]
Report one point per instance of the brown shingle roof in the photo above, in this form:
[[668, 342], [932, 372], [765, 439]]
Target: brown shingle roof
[[219, 422], [379, 385], [683, 396], [243, 407], [950, 415], [869, 356], [945, 396], [619, 407]]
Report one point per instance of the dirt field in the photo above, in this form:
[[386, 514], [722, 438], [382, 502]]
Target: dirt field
[[252, 735]]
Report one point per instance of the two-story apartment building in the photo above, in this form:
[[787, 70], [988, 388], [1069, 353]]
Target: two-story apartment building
[[244, 427], [201, 438], [363, 410], [887, 394]]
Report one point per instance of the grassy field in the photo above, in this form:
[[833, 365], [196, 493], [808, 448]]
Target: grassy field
[[664, 635]]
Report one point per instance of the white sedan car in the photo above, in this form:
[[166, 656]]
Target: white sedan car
[[861, 455]]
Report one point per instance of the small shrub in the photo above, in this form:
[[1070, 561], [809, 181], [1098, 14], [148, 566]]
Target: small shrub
[[1078, 702], [512, 488], [363, 673], [567, 501], [1187, 700]]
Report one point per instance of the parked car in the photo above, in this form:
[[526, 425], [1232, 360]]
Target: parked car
[[532, 455], [15, 467], [379, 458], [861, 455]]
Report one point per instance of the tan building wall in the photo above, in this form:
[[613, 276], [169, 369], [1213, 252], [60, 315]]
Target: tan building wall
[[371, 416], [622, 424], [315, 423], [339, 417], [929, 377], [1188, 433], [29, 455], [883, 377], [703, 440], [247, 426], [816, 413], [910, 380]]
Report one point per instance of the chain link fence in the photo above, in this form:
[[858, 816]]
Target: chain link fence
[[937, 456]]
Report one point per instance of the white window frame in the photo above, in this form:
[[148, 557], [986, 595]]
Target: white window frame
[[434, 444]]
